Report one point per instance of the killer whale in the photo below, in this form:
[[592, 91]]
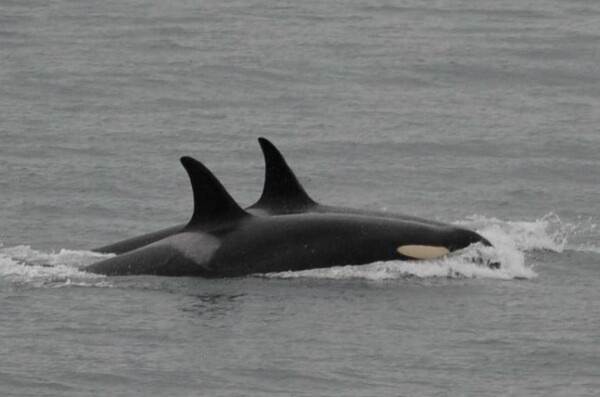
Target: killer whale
[[282, 194], [223, 240]]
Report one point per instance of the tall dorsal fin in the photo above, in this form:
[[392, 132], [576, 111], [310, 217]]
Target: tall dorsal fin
[[281, 188], [211, 201]]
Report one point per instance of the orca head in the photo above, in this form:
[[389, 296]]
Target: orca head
[[449, 240]]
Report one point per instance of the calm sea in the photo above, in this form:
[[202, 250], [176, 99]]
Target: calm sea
[[484, 114]]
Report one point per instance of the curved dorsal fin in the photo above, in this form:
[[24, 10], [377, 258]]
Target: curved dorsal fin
[[281, 188], [211, 201]]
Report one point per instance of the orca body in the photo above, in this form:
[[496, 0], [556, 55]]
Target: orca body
[[223, 240], [282, 194], [130, 244]]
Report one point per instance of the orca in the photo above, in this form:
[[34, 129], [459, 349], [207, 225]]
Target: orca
[[282, 194], [223, 240]]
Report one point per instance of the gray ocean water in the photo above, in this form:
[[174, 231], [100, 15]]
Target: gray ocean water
[[484, 114]]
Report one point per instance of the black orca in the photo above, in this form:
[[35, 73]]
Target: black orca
[[282, 194], [224, 240]]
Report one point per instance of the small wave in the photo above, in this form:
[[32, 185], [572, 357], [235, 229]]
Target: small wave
[[587, 248], [586, 230], [24, 266], [472, 262], [548, 233]]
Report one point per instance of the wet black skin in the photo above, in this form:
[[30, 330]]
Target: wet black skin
[[284, 243], [282, 195], [133, 243], [300, 242], [223, 240]]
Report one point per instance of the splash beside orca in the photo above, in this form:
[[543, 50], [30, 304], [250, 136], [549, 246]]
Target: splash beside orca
[[224, 240], [282, 194]]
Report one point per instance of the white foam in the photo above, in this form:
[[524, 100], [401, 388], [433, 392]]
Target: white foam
[[545, 233], [548, 233], [469, 263], [24, 266], [587, 248], [586, 230]]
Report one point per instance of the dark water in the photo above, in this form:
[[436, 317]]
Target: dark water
[[483, 114]]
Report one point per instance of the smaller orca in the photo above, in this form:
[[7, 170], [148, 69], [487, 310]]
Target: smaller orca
[[282, 194], [223, 240]]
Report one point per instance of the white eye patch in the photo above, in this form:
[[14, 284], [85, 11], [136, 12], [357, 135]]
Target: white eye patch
[[422, 251]]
